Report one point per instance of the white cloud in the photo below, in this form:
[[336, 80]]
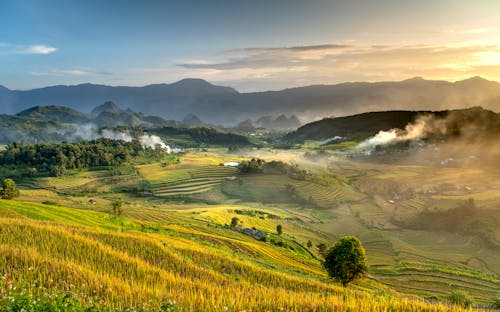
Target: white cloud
[[39, 49], [9, 48]]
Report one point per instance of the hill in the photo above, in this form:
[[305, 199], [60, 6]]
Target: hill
[[58, 123], [473, 121], [107, 107], [223, 105], [60, 114], [61, 258]]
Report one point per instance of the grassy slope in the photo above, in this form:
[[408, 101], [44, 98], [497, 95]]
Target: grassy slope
[[195, 266], [409, 261]]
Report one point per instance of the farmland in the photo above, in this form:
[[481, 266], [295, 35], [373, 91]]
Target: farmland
[[174, 235]]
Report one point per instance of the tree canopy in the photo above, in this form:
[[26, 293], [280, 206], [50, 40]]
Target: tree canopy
[[9, 189], [346, 260], [57, 158]]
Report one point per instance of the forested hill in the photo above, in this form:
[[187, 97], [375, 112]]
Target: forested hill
[[359, 127]]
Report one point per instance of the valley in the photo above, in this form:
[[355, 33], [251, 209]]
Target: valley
[[174, 234]]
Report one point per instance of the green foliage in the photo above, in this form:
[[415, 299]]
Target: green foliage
[[279, 229], [309, 244], [58, 158], [235, 222], [321, 248], [461, 298], [496, 303], [257, 165], [9, 189], [252, 166], [117, 208], [346, 260], [204, 135], [50, 203]]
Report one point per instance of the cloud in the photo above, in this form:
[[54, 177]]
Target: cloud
[[8, 48], [279, 67], [40, 49], [69, 72]]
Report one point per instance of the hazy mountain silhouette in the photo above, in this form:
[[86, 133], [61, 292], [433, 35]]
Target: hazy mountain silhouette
[[280, 123], [224, 105]]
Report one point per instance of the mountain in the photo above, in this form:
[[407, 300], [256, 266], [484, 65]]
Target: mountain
[[192, 120], [474, 122], [245, 125], [60, 114], [282, 122], [107, 107], [224, 105]]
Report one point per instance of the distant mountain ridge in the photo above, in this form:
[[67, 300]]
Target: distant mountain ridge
[[224, 105]]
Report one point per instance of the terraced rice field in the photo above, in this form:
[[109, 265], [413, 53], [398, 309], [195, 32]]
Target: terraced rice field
[[323, 196], [271, 188], [200, 180]]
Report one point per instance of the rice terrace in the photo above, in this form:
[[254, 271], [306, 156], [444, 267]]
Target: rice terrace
[[316, 171]]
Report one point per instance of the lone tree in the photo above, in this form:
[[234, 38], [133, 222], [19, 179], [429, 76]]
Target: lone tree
[[234, 222], [279, 229], [9, 189], [346, 260], [116, 208], [309, 244]]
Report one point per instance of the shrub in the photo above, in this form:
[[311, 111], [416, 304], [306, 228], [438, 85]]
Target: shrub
[[9, 189], [461, 298]]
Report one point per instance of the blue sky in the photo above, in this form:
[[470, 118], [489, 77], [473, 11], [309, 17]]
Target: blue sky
[[250, 45]]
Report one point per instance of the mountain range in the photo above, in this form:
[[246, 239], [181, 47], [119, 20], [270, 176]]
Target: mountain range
[[226, 106]]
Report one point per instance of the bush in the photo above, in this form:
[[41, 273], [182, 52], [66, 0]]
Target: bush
[[496, 303], [461, 298]]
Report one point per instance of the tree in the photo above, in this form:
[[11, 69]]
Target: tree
[[9, 189], [234, 222], [279, 229], [346, 260], [321, 248], [116, 208], [309, 244]]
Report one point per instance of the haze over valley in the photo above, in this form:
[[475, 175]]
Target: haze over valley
[[249, 156]]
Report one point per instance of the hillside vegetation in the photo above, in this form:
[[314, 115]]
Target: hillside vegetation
[[118, 264], [175, 247]]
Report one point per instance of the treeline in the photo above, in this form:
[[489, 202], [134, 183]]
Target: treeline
[[56, 159], [205, 135], [257, 165]]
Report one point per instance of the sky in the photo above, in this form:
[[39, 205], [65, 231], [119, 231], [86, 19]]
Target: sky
[[249, 45]]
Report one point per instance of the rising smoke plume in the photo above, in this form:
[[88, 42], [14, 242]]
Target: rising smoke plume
[[472, 125], [421, 128], [151, 141]]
